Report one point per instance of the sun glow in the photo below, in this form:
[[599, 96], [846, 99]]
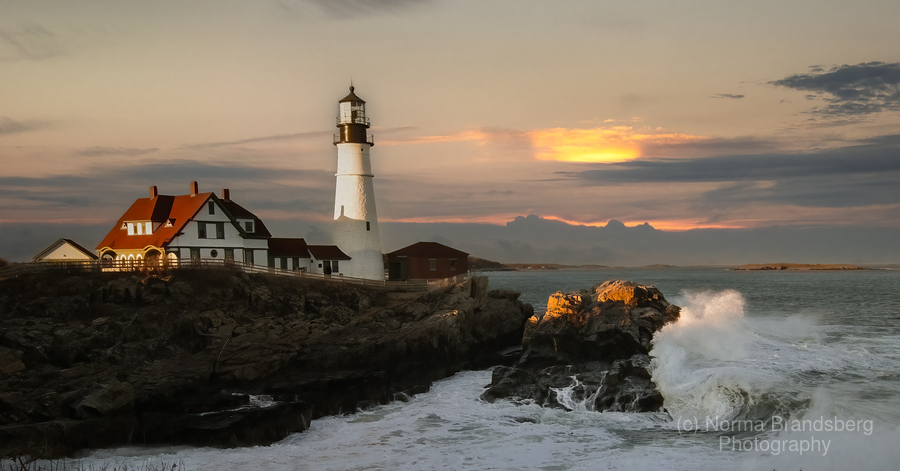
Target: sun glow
[[600, 145]]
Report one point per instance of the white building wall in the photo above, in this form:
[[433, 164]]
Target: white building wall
[[66, 252], [190, 238], [354, 206]]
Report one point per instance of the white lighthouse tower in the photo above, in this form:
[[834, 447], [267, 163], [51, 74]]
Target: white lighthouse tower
[[355, 219]]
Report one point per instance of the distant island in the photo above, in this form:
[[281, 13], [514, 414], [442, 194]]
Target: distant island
[[481, 264], [798, 267]]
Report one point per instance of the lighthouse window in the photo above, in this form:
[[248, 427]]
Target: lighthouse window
[[368, 226]]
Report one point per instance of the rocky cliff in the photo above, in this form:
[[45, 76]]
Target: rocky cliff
[[589, 351], [217, 357]]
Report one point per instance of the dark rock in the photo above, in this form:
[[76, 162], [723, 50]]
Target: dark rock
[[589, 351], [139, 358]]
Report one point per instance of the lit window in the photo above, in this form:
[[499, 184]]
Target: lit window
[[140, 228], [149, 228], [130, 228]]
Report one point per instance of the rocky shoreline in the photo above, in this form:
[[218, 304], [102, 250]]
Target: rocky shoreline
[[223, 358]]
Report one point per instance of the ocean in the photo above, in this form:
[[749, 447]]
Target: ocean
[[765, 370]]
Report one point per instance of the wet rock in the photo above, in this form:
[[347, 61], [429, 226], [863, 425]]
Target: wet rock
[[590, 351]]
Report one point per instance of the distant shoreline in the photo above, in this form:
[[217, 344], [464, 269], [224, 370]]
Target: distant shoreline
[[490, 266]]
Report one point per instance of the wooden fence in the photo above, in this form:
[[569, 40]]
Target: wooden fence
[[98, 266]]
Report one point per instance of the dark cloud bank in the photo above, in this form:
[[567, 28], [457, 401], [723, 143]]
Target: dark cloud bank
[[850, 90]]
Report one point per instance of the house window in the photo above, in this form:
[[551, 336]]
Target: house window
[[220, 230], [271, 261], [248, 256], [296, 265], [248, 226], [213, 253], [452, 264], [432, 264], [130, 228], [212, 207], [284, 263], [368, 226], [201, 230], [139, 229], [334, 266], [148, 228], [195, 254], [229, 254]]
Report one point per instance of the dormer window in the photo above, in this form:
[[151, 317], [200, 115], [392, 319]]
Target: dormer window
[[139, 228], [170, 222], [248, 226]]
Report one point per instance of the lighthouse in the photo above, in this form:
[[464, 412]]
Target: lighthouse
[[355, 219]]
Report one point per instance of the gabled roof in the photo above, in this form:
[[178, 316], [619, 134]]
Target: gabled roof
[[428, 249], [177, 209], [327, 252], [259, 229], [279, 247], [61, 242]]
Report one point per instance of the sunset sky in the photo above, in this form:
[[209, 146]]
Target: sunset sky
[[690, 115]]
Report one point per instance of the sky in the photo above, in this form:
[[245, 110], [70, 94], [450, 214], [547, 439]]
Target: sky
[[522, 131]]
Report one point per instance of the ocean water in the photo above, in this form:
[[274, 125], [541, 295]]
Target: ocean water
[[764, 370]]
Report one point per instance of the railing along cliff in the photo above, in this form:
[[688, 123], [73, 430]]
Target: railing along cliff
[[92, 266]]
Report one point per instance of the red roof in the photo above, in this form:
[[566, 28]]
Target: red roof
[[177, 209], [288, 248], [327, 252], [428, 250]]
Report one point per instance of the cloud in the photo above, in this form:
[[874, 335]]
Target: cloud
[[601, 145], [873, 156], [276, 137], [727, 95], [116, 151], [352, 8], [30, 42], [11, 126], [850, 90]]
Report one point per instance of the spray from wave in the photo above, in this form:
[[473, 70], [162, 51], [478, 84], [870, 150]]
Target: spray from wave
[[705, 363]]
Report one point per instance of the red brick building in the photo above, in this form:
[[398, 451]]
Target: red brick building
[[426, 260]]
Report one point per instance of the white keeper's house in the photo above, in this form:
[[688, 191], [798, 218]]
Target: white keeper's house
[[203, 226]]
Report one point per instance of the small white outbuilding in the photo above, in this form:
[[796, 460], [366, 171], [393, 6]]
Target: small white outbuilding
[[64, 250]]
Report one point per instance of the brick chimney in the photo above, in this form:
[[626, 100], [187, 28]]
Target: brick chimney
[[195, 188], [226, 195], [153, 192]]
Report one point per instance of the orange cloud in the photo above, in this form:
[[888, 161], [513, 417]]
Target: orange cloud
[[462, 136], [599, 145], [675, 225]]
